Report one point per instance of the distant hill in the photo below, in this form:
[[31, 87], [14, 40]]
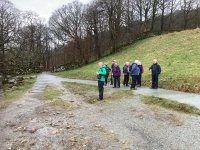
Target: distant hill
[[178, 54]]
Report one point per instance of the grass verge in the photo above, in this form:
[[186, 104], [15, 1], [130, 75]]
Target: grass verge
[[12, 94], [170, 104], [90, 92], [51, 98]]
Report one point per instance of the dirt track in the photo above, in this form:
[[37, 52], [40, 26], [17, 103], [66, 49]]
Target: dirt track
[[127, 124]]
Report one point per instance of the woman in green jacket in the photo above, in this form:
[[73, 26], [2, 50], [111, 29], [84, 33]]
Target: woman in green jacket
[[101, 74]]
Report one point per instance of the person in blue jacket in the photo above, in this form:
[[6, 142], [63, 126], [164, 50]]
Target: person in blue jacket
[[155, 71], [101, 75], [135, 71]]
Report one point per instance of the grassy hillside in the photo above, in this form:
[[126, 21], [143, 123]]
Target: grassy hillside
[[178, 54]]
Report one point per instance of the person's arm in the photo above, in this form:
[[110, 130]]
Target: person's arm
[[123, 69], [112, 70], [133, 68], [150, 68], [159, 69], [109, 69], [102, 71], [128, 69], [142, 69]]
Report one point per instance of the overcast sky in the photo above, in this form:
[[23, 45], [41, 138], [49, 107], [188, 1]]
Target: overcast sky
[[42, 7]]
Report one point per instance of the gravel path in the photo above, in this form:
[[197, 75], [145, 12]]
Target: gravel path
[[115, 125]]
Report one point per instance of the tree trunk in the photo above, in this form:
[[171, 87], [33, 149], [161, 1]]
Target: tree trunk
[[171, 15], [185, 20], [96, 39], [3, 66], [153, 14], [162, 16], [140, 9]]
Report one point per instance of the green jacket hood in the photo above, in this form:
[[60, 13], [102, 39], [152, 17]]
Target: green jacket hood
[[104, 66]]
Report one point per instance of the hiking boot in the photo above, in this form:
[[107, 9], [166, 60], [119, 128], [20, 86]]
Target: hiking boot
[[100, 99]]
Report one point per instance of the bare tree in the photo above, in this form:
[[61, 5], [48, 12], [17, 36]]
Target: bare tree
[[126, 17], [114, 10], [140, 10], [154, 10], [92, 17], [8, 29], [66, 24], [146, 7], [33, 42], [173, 4], [163, 5], [187, 6], [197, 14]]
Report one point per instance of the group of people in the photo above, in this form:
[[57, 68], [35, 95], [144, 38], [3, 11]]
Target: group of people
[[135, 70]]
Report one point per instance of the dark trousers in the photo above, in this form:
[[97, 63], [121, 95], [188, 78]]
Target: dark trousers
[[139, 80], [111, 80], [116, 81], [101, 89], [126, 80], [154, 81], [134, 80]]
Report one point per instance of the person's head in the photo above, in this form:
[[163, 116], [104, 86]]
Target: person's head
[[100, 64], [136, 62], [127, 63], [155, 61], [106, 64], [115, 64], [139, 63], [114, 61]]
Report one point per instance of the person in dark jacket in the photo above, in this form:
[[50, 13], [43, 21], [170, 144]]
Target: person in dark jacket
[[139, 80], [111, 77], [107, 73], [155, 70], [135, 70], [126, 73], [116, 75]]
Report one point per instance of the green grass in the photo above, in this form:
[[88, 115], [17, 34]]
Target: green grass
[[169, 104], [51, 98], [90, 92], [12, 94], [178, 53], [50, 93], [79, 88]]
